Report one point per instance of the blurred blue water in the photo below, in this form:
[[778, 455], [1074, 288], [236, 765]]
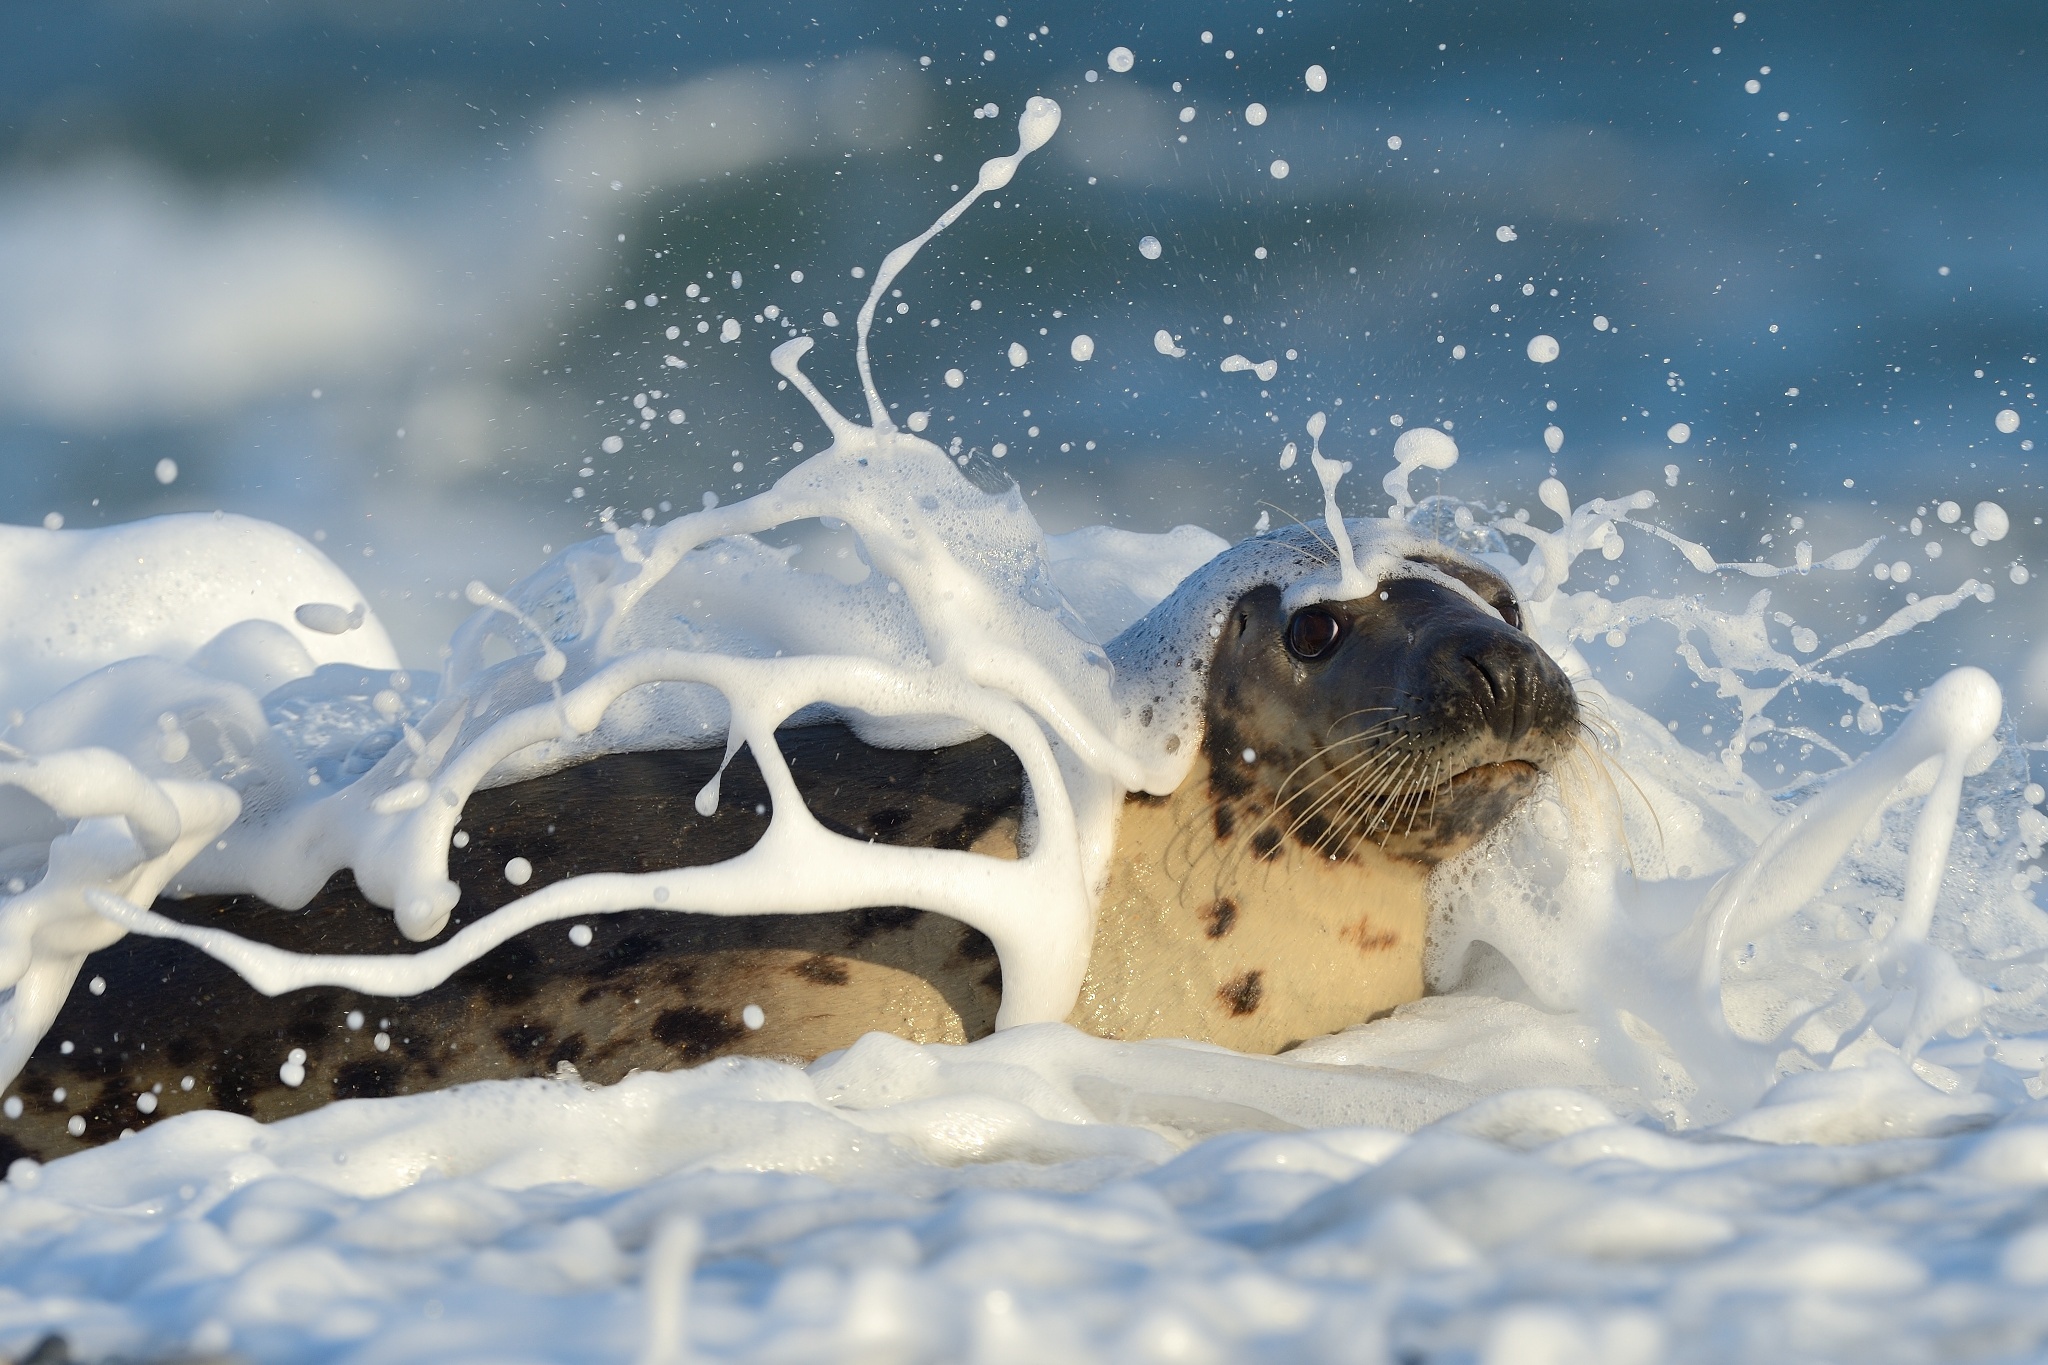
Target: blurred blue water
[[209, 211]]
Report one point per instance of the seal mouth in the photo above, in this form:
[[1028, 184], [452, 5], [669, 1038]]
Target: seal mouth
[[1513, 771]]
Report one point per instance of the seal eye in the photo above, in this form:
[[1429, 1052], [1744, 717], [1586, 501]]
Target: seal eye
[[1313, 633]]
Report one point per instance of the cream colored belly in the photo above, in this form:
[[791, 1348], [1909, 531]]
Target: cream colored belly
[[1198, 938]]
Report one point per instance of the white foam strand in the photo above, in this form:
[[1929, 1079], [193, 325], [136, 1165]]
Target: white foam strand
[[1040, 120]]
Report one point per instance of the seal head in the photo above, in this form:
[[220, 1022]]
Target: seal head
[[1414, 718]]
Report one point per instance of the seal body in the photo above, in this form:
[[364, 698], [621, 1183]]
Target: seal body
[[1280, 892]]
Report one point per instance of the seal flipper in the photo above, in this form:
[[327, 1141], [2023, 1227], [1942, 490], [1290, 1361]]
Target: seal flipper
[[652, 990]]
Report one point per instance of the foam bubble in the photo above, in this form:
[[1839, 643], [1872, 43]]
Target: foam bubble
[[1542, 348], [1991, 521], [1148, 247], [2007, 421], [1162, 342], [1316, 79], [1678, 433], [1121, 59], [1082, 347], [1255, 113], [1279, 169], [1019, 357], [1505, 233]]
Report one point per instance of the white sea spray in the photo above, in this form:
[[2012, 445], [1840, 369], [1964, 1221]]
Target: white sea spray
[[1653, 977]]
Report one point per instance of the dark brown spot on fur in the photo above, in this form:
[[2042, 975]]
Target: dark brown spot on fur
[[11, 1150], [695, 1032], [821, 970], [523, 1040], [1221, 917], [1266, 843], [974, 946], [515, 975], [630, 951], [371, 1078], [1226, 821], [882, 919], [569, 1050], [1241, 994], [1367, 939]]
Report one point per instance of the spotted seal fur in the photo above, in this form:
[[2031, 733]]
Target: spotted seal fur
[[1280, 892]]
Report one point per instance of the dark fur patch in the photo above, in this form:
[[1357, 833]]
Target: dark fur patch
[[821, 969], [1226, 820], [694, 1032], [1367, 939], [523, 1040], [1241, 994], [371, 1078], [1221, 917], [1266, 843]]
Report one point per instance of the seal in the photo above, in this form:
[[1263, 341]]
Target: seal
[[1278, 893]]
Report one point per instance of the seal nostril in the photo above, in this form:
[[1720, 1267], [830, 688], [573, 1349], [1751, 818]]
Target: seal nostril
[[1509, 686], [1487, 668]]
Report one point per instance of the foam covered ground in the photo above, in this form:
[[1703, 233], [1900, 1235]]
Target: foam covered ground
[[1046, 1196]]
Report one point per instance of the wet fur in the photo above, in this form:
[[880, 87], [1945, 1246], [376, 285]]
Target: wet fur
[[1265, 901], [654, 990]]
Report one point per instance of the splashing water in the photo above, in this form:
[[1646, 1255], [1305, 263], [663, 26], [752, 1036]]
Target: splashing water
[[1851, 958]]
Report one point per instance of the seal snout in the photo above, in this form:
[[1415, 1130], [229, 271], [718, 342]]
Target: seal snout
[[1518, 691]]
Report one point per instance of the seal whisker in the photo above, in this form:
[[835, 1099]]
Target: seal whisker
[[1334, 772], [1594, 758], [1427, 792], [1386, 794], [1360, 778], [1361, 711], [1342, 770]]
